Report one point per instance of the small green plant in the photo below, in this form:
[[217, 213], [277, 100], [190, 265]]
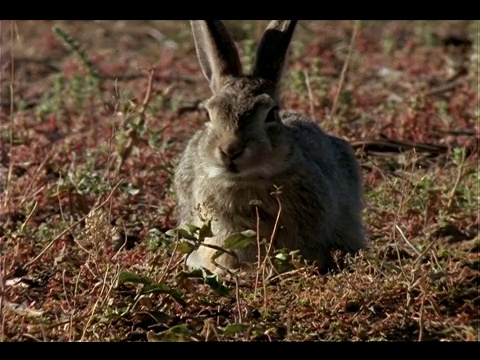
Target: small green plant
[[191, 237], [147, 287], [424, 32], [249, 48], [285, 260], [76, 48], [53, 102]]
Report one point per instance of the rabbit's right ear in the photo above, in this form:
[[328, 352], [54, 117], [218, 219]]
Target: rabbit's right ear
[[216, 51], [272, 50]]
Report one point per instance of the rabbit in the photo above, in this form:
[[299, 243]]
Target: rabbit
[[250, 147]]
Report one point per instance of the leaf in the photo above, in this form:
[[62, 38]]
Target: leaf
[[184, 234], [164, 289], [205, 231], [129, 277], [156, 288], [212, 281], [196, 274], [177, 296], [183, 247], [171, 232], [235, 328], [180, 234], [239, 240], [192, 228], [178, 333], [159, 316], [209, 279]]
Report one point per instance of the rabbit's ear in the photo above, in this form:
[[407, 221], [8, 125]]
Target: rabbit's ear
[[272, 49], [216, 51]]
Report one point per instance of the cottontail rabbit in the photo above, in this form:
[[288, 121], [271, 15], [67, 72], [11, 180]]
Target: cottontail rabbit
[[250, 146]]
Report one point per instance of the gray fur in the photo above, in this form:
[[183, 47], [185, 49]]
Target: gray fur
[[238, 156]]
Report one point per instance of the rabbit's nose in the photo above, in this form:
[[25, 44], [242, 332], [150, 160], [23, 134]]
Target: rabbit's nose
[[231, 152]]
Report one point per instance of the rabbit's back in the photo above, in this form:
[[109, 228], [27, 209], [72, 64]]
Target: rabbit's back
[[331, 156], [335, 180]]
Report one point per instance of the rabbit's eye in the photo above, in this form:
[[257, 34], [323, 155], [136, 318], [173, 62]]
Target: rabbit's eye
[[272, 115], [206, 113]]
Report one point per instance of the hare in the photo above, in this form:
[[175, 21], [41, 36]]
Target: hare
[[250, 147]]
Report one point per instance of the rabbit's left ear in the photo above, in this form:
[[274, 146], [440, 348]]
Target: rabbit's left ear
[[216, 51], [272, 50]]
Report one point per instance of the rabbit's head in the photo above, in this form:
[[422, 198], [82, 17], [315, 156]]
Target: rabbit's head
[[245, 135]]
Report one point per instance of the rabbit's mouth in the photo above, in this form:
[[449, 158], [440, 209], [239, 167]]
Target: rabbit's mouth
[[249, 164], [238, 171], [232, 168], [226, 170], [241, 167]]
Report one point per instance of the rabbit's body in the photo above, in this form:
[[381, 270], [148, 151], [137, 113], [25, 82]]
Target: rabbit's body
[[250, 148]]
